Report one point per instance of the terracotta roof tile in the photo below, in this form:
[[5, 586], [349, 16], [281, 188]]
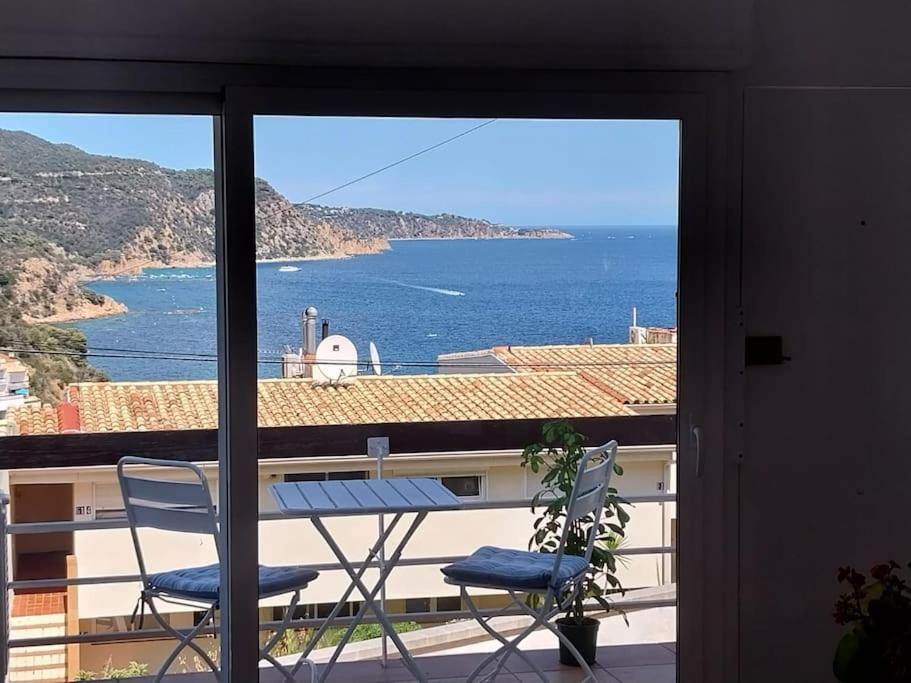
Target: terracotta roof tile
[[35, 419], [634, 373], [140, 406]]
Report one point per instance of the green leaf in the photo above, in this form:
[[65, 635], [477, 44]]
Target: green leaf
[[850, 665], [604, 603]]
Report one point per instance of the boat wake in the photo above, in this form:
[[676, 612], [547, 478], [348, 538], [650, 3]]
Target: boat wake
[[436, 290]]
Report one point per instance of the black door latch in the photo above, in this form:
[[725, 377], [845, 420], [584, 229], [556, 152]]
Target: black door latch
[[764, 351]]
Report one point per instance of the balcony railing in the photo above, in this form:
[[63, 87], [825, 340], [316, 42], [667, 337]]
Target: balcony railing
[[79, 450], [96, 525]]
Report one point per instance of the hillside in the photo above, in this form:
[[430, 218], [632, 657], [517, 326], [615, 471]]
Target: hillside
[[66, 215], [385, 224]]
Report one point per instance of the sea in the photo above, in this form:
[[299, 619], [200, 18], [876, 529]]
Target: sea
[[414, 302]]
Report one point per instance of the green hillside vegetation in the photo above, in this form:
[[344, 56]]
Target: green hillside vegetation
[[383, 223], [48, 373]]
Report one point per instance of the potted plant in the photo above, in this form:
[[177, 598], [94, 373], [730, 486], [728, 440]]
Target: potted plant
[[876, 646], [557, 456]]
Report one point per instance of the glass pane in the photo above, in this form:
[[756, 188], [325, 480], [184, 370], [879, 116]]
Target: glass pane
[[417, 605], [432, 273], [463, 486], [449, 604], [306, 476], [107, 326], [348, 476]]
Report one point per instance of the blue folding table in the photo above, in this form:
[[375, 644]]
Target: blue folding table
[[317, 500]]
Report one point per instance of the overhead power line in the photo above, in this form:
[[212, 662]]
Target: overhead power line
[[211, 358], [400, 161]]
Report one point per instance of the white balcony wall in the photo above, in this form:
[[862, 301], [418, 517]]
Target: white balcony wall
[[106, 552]]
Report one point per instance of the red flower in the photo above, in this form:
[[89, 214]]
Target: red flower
[[882, 571], [857, 580]]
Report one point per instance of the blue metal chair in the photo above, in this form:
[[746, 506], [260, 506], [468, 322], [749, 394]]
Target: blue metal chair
[[556, 576], [186, 507]]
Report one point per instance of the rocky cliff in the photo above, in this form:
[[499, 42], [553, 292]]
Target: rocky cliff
[[66, 215]]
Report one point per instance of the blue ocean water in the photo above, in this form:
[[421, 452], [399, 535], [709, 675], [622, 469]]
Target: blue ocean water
[[420, 299]]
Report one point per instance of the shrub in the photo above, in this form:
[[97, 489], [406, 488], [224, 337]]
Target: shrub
[[109, 672]]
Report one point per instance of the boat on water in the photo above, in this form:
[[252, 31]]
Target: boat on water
[[288, 269]]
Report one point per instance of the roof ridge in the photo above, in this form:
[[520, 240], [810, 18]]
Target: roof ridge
[[494, 376], [143, 382], [583, 345]]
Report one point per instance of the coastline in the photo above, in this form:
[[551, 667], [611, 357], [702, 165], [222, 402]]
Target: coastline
[[86, 311], [191, 263], [112, 307], [490, 238]]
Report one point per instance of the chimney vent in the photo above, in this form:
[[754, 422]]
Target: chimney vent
[[309, 323], [325, 328]]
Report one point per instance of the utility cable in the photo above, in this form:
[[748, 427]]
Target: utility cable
[[212, 358], [382, 169]]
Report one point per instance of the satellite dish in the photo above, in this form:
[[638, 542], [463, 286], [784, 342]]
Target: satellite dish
[[375, 360], [336, 359]]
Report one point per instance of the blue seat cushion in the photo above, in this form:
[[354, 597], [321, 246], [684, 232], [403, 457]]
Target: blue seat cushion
[[519, 569], [203, 582]]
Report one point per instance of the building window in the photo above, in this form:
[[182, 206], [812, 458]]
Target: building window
[[120, 624], [300, 612], [327, 476], [111, 513], [417, 605], [306, 476], [464, 486], [449, 603], [323, 609]]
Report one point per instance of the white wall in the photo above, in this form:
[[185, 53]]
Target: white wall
[[826, 209]]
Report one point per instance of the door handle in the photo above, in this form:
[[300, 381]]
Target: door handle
[[697, 446]]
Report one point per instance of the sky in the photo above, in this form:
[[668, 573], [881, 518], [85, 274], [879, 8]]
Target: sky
[[517, 172]]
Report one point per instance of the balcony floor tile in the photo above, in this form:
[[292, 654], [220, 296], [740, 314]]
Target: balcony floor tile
[[647, 663], [655, 673]]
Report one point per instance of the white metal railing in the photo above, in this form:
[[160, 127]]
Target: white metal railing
[[10, 529], [5, 590]]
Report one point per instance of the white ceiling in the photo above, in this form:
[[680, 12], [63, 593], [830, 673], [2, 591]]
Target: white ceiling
[[528, 33]]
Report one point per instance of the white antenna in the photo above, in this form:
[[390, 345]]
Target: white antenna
[[634, 316], [375, 360], [336, 360]]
